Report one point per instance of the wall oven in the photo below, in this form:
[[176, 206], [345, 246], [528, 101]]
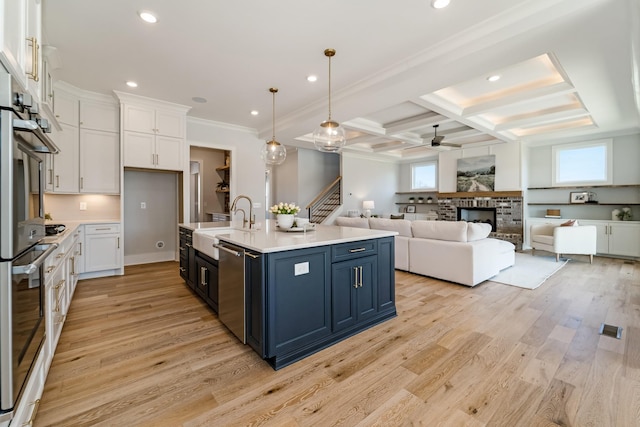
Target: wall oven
[[23, 142]]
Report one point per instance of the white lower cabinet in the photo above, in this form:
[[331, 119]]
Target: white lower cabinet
[[102, 249], [27, 408], [617, 237]]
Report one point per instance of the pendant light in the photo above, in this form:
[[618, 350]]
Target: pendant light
[[329, 136], [273, 153]]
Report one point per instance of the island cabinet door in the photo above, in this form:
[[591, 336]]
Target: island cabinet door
[[386, 275], [255, 297], [207, 280], [298, 299], [354, 291]]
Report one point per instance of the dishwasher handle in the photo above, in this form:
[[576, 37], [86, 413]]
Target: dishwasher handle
[[224, 248]]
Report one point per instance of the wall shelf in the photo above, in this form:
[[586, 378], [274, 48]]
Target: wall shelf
[[583, 204], [574, 187]]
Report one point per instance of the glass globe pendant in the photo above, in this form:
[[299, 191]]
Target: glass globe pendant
[[273, 153], [329, 136]]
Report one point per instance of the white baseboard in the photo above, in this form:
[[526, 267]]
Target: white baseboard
[[149, 258]]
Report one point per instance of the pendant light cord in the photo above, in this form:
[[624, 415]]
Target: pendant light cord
[[329, 88], [274, 116]]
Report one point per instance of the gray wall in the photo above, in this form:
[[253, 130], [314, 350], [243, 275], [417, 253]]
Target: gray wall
[[143, 228]]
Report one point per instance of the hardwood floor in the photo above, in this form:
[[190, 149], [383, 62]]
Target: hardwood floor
[[143, 350]]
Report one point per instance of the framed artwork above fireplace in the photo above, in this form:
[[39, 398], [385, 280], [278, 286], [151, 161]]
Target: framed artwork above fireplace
[[476, 174]]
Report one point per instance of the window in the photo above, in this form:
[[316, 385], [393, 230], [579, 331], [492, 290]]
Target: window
[[583, 163], [423, 176]]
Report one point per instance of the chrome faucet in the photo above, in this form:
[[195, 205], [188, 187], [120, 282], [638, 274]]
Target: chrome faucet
[[233, 209]]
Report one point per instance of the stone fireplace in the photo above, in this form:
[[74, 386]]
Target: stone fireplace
[[507, 205]]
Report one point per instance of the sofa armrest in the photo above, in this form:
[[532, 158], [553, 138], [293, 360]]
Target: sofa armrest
[[544, 229]]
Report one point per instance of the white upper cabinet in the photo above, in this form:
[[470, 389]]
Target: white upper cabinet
[[67, 108], [93, 161], [99, 115], [20, 42], [154, 133], [155, 121], [13, 35]]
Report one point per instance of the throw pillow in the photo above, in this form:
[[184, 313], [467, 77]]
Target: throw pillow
[[570, 223]]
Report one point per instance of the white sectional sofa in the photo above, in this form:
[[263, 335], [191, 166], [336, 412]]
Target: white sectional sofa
[[458, 252]]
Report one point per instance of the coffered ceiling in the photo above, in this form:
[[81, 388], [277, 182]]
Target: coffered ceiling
[[569, 69]]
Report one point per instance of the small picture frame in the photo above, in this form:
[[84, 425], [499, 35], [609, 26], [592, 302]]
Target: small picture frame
[[578, 197], [411, 209]]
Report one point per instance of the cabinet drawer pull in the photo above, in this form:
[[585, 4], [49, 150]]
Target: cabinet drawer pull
[[188, 245], [103, 229], [203, 276], [34, 411], [51, 268], [357, 250], [183, 269]]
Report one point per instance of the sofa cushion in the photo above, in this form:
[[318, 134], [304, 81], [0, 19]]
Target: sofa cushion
[[402, 226], [477, 231], [440, 230], [344, 221]]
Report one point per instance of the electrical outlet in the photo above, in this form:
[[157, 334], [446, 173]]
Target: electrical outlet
[[301, 268], [83, 206], [143, 205]]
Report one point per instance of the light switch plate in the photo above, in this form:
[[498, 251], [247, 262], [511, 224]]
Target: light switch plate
[[143, 205], [83, 206]]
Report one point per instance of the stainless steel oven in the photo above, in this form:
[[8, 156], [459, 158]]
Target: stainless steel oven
[[23, 143]]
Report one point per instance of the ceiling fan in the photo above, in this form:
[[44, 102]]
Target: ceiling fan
[[437, 140]]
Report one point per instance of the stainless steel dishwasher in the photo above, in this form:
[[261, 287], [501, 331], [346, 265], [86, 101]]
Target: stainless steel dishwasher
[[231, 289]]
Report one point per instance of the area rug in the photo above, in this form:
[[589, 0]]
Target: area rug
[[529, 271]]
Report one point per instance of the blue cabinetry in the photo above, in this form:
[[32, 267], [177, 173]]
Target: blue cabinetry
[[301, 301]]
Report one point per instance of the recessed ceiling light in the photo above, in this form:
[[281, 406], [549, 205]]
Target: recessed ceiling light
[[199, 99], [147, 16], [494, 78], [132, 84], [312, 78], [254, 112], [439, 4]]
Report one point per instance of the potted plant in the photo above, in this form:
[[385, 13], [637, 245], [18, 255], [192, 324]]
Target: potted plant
[[420, 199], [412, 199], [223, 186]]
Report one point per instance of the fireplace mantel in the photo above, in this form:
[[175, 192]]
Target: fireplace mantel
[[481, 194]]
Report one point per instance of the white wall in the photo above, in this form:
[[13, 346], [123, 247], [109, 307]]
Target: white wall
[[144, 228], [303, 175], [247, 168], [368, 179], [67, 207], [626, 157]]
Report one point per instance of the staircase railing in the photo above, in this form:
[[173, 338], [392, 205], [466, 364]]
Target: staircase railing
[[327, 201]]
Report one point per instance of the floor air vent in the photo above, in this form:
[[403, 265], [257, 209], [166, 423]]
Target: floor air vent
[[611, 331]]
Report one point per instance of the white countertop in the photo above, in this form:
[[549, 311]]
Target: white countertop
[[71, 226], [271, 239], [194, 226]]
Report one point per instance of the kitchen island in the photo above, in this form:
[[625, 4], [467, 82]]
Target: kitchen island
[[305, 291]]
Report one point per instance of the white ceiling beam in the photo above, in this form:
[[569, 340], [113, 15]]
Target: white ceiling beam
[[523, 97], [542, 119], [428, 119]]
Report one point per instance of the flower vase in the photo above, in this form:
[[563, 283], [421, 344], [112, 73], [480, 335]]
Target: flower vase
[[285, 221]]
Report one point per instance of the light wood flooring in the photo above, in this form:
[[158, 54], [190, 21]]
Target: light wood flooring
[[143, 350]]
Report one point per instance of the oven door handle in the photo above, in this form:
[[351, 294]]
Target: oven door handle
[[31, 268], [32, 126]]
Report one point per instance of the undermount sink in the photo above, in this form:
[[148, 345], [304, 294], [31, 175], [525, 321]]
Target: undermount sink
[[203, 241]]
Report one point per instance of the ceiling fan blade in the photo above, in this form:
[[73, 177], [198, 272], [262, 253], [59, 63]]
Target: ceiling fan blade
[[448, 144]]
